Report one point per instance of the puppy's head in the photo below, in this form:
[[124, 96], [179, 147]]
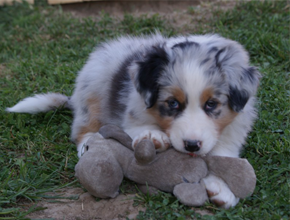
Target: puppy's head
[[195, 89]]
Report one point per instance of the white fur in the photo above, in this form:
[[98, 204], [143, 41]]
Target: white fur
[[233, 136], [220, 191], [39, 103], [194, 124], [154, 135]]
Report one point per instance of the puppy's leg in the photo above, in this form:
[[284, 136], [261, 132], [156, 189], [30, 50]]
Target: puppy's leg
[[159, 138], [86, 122], [219, 192]]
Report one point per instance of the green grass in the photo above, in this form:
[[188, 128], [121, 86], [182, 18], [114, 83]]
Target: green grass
[[42, 49]]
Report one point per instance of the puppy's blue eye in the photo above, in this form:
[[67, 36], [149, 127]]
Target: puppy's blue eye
[[210, 105], [173, 104]]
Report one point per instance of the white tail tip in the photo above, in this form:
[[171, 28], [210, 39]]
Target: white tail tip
[[40, 103]]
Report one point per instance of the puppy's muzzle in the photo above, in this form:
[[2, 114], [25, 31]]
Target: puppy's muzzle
[[192, 145]]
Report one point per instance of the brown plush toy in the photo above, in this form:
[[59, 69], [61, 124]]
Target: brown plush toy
[[109, 157]]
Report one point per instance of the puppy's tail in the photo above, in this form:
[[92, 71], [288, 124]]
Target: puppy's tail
[[41, 103]]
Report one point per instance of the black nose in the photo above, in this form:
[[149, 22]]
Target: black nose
[[192, 145]]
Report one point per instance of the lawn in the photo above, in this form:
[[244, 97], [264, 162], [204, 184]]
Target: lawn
[[42, 49]]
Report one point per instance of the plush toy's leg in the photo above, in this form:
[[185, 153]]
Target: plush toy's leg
[[191, 194], [219, 192], [100, 173]]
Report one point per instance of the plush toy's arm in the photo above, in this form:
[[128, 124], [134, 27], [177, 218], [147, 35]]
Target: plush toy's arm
[[229, 179], [144, 152], [116, 133], [238, 173]]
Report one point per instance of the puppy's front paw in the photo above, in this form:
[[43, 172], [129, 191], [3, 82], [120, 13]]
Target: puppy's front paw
[[159, 139], [219, 192]]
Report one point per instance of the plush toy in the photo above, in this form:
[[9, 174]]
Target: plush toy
[[108, 157]]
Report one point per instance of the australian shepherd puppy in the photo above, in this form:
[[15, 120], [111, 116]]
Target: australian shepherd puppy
[[195, 93]]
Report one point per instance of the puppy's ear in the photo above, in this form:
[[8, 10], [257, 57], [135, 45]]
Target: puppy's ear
[[243, 80], [239, 94], [146, 71]]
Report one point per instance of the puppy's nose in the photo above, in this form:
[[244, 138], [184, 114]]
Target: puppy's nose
[[192, 145]]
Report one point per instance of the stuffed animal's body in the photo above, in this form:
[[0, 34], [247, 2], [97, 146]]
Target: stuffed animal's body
[[108, 158]]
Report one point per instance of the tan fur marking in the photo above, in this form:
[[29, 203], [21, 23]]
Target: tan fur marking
[[206, 95], [225, 119], [163, 122], [93, 124], [210, 193], [157, 144], [136, 142], [179, 94], [218, 203], [227, 115]]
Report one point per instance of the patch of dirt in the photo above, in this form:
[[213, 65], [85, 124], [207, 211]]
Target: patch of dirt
[[4, 72], [119, 8], [184, 16], [74, 203]]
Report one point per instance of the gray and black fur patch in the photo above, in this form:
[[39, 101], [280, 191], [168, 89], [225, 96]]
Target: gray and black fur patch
[[85, 110], [119, 87], [204, 61], [150, 70], [231, 63], [216, 114], [238, 98], [212, 50], [184, 45]]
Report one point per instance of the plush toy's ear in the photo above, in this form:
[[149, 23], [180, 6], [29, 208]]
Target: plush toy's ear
[[232, 60], [147, 70]]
